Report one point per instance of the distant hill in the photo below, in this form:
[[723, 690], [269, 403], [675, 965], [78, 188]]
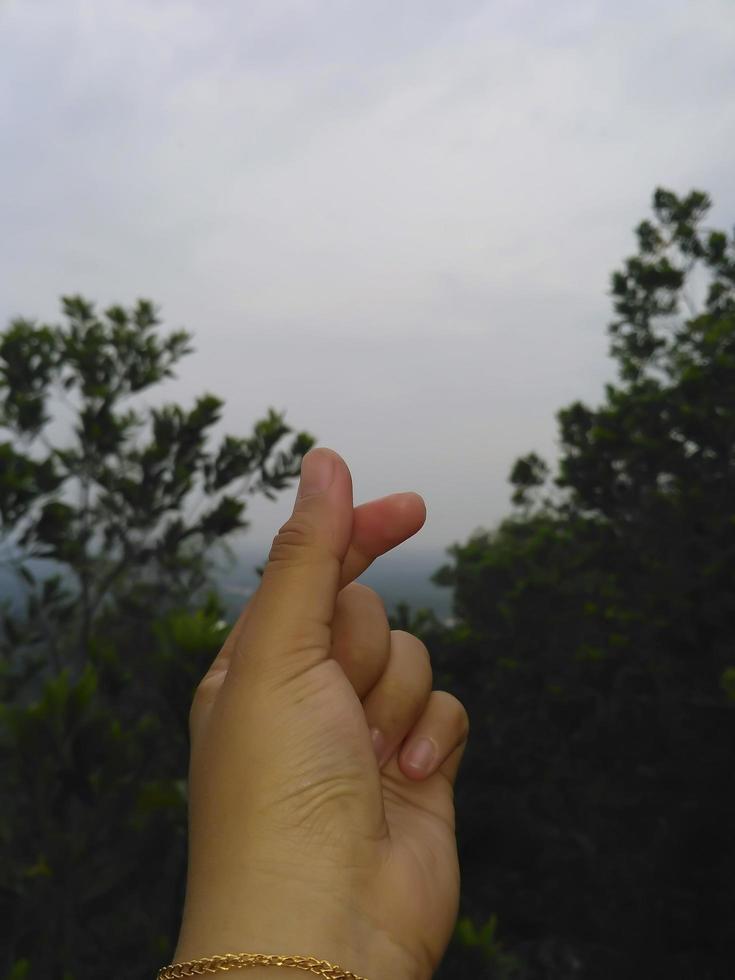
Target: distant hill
[[396, 578]]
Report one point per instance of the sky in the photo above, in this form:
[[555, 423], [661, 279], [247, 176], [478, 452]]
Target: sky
[[394, 221]]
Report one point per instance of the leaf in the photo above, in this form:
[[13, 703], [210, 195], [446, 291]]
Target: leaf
[[727, 682]]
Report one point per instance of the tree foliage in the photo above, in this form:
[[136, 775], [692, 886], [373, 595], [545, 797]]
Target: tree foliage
[[594, 648], [592, 644], [110, 512]]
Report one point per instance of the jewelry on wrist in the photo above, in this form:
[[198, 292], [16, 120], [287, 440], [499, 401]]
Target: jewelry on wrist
[[235, 961]]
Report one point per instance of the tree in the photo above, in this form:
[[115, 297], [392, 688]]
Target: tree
[[109, 521], [594, 647]]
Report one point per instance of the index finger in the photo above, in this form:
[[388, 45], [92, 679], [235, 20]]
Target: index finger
[[377, 527]]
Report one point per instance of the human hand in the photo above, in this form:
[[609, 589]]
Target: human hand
[[300, 842]]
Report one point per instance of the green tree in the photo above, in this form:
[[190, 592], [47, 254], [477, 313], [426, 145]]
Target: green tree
[[594, 647], [110, 514]]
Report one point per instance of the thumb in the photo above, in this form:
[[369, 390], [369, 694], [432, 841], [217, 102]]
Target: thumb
[[290, 616]]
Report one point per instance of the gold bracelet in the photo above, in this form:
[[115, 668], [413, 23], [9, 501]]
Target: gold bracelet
[[235, 961]]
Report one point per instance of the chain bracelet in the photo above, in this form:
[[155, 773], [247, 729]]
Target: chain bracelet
[[234, 961]]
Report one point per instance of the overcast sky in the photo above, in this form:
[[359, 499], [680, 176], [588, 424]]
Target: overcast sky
[[394, 220]]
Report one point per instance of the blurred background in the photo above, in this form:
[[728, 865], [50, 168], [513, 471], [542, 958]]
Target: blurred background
[[485, 251]]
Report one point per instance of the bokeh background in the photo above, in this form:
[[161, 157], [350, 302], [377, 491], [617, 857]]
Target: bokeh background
[[391, 228]]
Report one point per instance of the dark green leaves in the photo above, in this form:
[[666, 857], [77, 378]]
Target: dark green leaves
[[593, 648], [108, 519], [28, 363], [528, 473]]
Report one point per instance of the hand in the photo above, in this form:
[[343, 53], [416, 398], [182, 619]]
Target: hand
[[301, 840]]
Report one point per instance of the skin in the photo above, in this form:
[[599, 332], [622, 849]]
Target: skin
[[313, 828]]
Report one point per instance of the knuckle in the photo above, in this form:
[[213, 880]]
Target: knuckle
[[204, 695], [365, 597], [411, 675], [292, 543], [457, 712], [363, 630], [463, 723], [418, 649]]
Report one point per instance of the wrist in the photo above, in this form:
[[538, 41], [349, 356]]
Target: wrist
[[256, 964], [372, 959], [294, 924]]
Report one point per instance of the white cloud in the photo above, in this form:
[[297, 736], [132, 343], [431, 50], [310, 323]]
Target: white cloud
[[397, 221]]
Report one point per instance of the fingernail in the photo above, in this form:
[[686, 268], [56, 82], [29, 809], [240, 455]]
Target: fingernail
[[317, 472], [420, 754], [379, 744]]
